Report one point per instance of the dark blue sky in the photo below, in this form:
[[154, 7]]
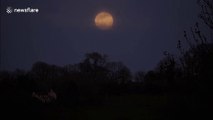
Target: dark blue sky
[[63, 31]]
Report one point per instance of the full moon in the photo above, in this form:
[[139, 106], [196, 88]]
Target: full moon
[[104, 20]]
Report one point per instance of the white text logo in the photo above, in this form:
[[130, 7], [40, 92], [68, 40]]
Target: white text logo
[[10, 10]]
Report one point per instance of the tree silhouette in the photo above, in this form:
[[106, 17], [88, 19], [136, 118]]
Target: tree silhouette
[[139, 77], [206, 12], [197, 61]]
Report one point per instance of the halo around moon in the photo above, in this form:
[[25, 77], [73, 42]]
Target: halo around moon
[[104, 20]]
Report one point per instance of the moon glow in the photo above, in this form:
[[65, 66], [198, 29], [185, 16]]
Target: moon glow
[[104, 20]]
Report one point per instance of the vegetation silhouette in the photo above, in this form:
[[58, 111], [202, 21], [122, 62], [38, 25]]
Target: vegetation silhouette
[[97, 88]]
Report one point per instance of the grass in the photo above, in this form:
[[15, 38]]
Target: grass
[[126, 107]]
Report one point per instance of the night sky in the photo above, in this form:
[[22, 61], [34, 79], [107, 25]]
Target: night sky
[[63, 31]]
